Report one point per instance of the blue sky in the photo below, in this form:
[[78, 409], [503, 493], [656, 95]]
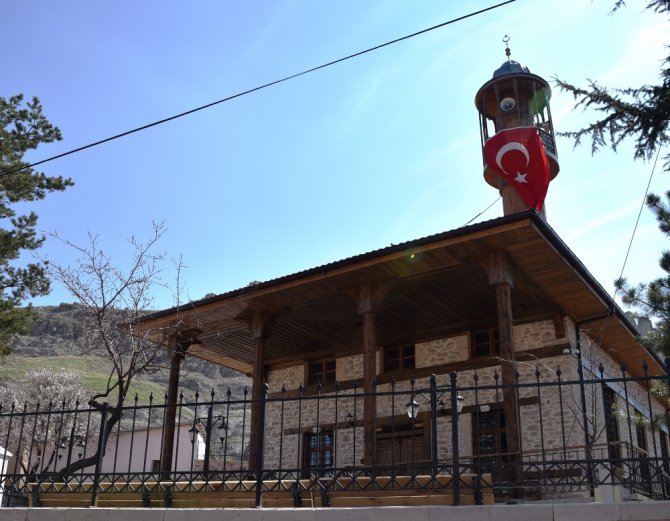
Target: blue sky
[[381, 149]]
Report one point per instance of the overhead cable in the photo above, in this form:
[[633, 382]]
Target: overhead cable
[[249, 91], [630, 245]]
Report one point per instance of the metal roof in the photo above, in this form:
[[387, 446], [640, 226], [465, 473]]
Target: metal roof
[[510, 67], [438, 286]]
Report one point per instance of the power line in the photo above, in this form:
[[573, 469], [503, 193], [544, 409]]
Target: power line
[[484, 210], [249, 91], [630, 245]]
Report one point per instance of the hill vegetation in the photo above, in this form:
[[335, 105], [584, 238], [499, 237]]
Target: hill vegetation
[[59, 338]]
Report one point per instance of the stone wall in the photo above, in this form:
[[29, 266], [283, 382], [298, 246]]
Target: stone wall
[[551, 417], [557, 431], [290, 377], [442, 351], [634, 405], [455, 348], [350, 368], [534, 335]]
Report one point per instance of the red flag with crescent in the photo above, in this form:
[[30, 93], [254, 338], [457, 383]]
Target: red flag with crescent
[[517, 155]]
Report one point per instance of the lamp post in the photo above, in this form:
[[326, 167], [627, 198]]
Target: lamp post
[[457, 402], [68, 442], [413, 406], [205, 424], [74, 438]]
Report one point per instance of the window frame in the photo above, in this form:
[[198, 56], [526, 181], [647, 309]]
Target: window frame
[[612, 433], [492, 342], [321, 448], [497, 432], [406, 442], [324, 375], [401, 358]]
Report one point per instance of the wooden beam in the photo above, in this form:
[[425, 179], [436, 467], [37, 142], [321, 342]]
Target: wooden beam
[[177, 350], [345, 268], [204, 352], [259, 329], [559, 324], [499, 270], [471, 364], [366, 308]]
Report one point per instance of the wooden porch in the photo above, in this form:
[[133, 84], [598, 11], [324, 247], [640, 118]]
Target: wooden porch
[[361, 491]]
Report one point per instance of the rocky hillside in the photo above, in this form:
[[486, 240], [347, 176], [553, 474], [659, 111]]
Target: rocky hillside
[[60, 337]]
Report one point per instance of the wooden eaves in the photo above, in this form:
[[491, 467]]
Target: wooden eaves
[[432, 287]]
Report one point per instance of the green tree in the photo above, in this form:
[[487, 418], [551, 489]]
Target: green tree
[[641, 114], [653, 298], [23, 127]]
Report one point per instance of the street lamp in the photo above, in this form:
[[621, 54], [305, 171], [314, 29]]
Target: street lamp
[[413, 406], [457, 401], [206, 424]]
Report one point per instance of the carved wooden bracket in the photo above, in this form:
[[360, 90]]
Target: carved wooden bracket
[[369, 296], [178, 344], [499, 268], [559, 324], [260, 322]]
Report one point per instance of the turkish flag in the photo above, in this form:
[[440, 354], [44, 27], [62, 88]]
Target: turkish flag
[[517, 155]]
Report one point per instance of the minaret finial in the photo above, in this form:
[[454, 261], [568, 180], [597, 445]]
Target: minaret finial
[[506, 42]]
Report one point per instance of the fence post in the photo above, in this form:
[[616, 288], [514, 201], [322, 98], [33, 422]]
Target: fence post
[[102, 440], [208, 441], [69, 447], [585, 420], [433, 424], [261, 445], [455, 479], [665, 485]]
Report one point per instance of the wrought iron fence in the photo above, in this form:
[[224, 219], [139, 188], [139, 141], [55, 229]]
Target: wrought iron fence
[[445, 433]]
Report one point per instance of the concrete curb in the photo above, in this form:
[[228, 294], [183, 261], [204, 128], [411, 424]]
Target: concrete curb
[[631, 511]]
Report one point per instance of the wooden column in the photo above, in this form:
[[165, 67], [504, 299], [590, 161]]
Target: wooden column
[[366, 310], [259, 330], [177, 351], [513, 203], [500, 275]]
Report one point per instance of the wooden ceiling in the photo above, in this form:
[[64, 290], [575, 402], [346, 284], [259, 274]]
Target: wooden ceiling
[[429, 288]]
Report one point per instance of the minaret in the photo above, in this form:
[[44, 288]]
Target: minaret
[[515, 99]]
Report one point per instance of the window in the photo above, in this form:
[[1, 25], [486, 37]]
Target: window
[[490, 443], [485, 342], [663, 441], [641, 435], [645, 469], [611, 424], [399, 358], [319, 450], [321, 371], [401, 444], [490, 432], [663, 438]]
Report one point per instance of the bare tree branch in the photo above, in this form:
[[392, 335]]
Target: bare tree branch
[[116, 300]]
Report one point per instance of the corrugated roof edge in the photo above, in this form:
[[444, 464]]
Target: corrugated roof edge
[[575, 262], [536, 218], [348, 260]]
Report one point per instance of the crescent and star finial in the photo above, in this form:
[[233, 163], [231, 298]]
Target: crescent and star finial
[[506, 42]]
